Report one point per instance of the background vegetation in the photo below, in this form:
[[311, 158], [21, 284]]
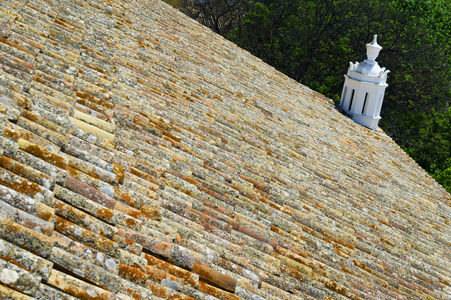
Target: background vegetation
[[312, 41]]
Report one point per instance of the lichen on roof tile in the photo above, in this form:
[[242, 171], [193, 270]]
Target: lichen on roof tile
[[142, 156]]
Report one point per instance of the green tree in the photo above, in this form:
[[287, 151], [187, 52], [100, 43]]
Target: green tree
[[417, 50], [220, 15], [433, 147]]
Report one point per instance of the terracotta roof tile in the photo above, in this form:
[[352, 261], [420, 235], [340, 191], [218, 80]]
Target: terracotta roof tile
[[92, 135], [25, 194], [88, 191], [8, 293], [85, 269], [47, 292], [16, 51], [44, 180], [84, 219], [85, 252], [135, 291], [86, 236], [91, 148], [161, 271], [216, 278], [218, 293], [78, 288], [166, 151], [165, 292], [25, 219], [56, 106], [17, 278], [25, 260], [144, 189], [92, 170]]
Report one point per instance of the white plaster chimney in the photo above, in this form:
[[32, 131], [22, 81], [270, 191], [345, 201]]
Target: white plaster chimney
[[364, 88]]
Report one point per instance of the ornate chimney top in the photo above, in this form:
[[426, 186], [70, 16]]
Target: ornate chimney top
[[364, 88]]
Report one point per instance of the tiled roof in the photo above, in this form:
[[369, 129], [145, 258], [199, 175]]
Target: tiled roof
[[145, 157]]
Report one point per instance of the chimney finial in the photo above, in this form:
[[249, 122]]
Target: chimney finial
[[374, 42], [373, 49]]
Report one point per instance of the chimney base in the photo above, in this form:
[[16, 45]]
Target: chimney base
[[370, 122]]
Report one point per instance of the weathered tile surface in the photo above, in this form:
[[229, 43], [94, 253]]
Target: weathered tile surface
[[144, 157]]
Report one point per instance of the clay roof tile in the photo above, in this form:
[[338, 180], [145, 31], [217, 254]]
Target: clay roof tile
[[142, 156]]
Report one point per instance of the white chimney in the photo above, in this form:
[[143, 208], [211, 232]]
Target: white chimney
[[364, 88]]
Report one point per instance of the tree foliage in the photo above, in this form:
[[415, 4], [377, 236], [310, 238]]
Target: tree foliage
[[312, 41], [220, 15]]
